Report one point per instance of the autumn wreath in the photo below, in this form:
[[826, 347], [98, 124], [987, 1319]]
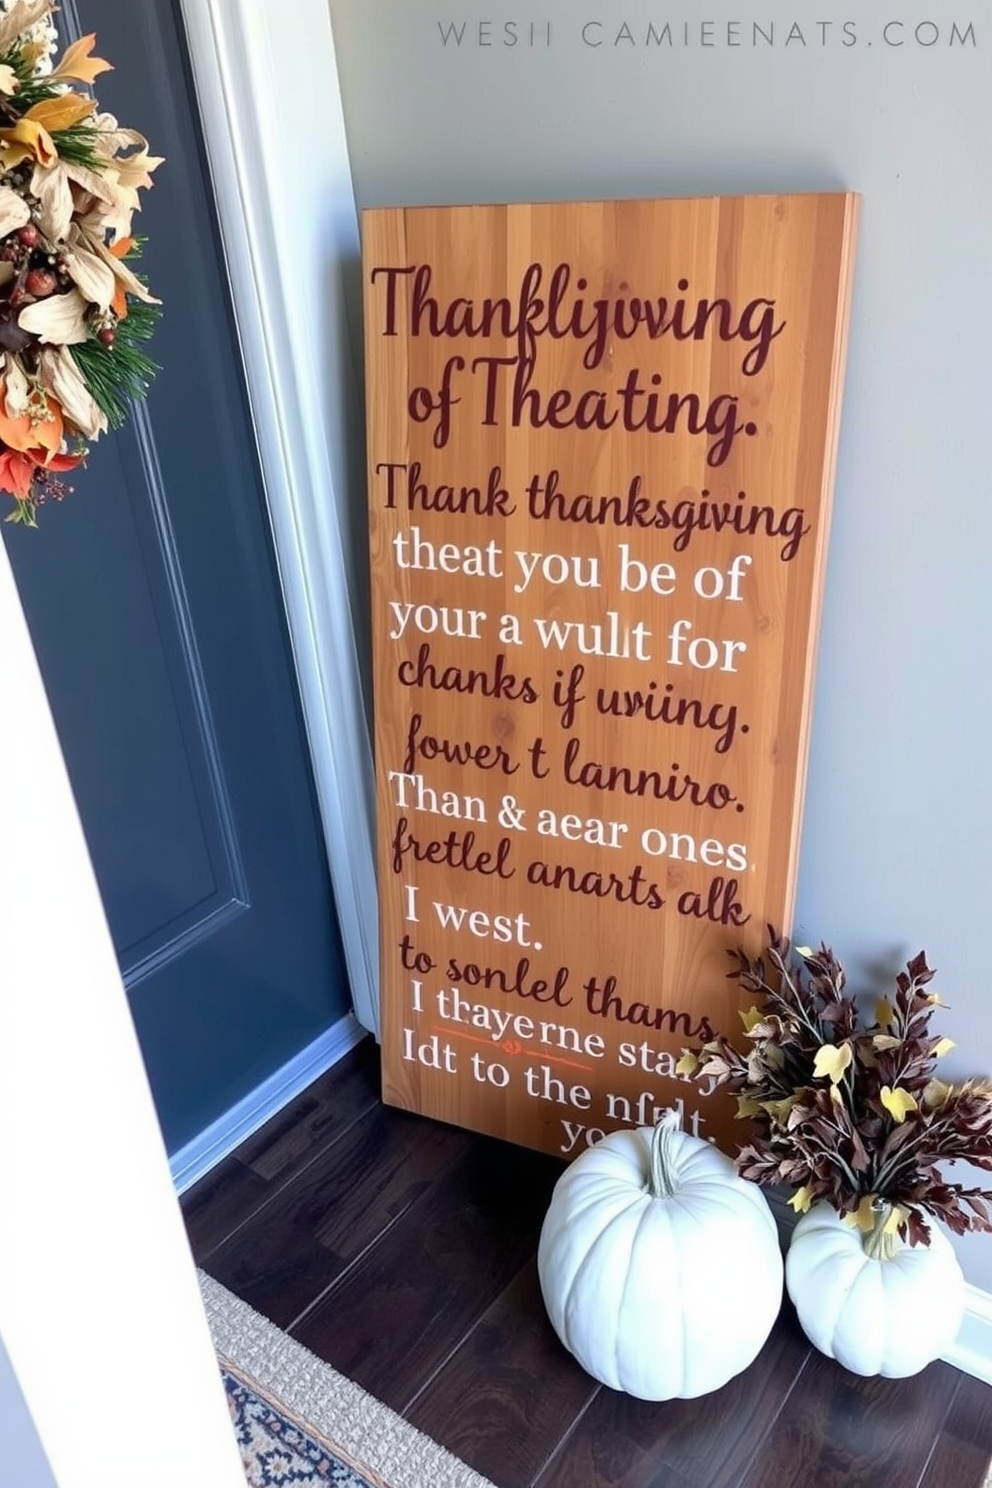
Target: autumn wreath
[[74, 316]]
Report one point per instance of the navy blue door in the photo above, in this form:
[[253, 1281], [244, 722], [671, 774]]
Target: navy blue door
[[154, 604]]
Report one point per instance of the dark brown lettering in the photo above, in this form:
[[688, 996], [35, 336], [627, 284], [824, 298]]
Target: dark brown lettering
[[671, 710], [457, 850], [499, 683], [494, 501], [566, 312], [721, 903], [634, 888], [547, 501], [677, 785], [515, 984], [421, 746], [603, 1001]]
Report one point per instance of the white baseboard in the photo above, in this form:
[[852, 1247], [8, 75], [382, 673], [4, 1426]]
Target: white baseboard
[[971, 1351], [222, 1136]]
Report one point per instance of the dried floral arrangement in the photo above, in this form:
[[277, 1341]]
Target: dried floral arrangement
[[848, 1112], [74, 316]]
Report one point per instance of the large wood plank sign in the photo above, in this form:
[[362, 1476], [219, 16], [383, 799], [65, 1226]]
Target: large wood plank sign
[[601, 449]]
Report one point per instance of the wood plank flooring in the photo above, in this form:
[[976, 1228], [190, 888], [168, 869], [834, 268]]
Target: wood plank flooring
[[403, 1252]]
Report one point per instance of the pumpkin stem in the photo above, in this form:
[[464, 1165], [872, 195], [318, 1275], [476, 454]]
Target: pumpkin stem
[[878, 1244], [661, 1184]]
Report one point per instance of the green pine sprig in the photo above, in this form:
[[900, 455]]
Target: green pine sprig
[[30, 89], [119, 375], [76, 146]]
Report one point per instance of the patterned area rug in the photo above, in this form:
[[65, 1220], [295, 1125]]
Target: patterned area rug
[[299, 1423], [276, 1449]]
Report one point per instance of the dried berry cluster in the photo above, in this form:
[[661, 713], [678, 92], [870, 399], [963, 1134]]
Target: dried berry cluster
[[847, 1112]]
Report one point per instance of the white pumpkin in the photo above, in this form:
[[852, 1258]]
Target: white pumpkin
[[874, 1314], [660, 1267]]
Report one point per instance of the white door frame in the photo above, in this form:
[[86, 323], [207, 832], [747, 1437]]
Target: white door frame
[[98, 1295], [267, 83]]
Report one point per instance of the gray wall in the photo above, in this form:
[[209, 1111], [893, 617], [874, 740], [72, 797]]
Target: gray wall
[[897, 848]]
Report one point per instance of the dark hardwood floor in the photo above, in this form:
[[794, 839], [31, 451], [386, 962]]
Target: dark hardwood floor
[[403, 1253]]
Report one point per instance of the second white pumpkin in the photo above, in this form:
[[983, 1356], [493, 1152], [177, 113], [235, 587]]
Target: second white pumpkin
[[875, 1314], [662, 1286]]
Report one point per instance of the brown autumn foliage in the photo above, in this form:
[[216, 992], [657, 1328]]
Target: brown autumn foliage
[[850, 1112]]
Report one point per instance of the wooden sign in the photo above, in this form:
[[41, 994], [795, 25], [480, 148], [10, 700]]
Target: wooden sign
[[601, 449]]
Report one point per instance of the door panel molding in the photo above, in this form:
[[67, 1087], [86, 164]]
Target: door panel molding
[[231, 898], [287, 216], [176, 946], [190, 653]]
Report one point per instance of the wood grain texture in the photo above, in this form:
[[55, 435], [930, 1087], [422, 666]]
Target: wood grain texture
[[429, 1279], [318, 1226], [626, 1443], [842, 1431], [317, 1118], [963, 1450], [508, 1390], [266, 1161], [601, 452]]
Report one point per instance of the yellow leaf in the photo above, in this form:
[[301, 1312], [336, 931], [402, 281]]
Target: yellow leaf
[[936, 1094], [885, 1041], [804, 951], [77, 63], [801, 1199], [943, 1046], [26, 138], [894, 1220], [8, 80], [864, 1216], [33, 52], [62, 112], [833, 1061], [688, 1064], [779, 1110], [897, 1102], [747, 1106], [935, 1000], [751, 1018], [884, 1013]]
